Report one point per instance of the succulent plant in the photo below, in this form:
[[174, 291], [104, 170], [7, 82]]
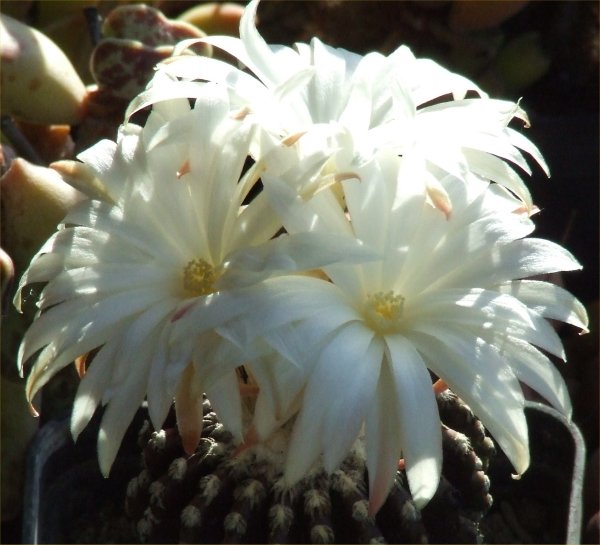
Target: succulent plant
[[39, 83], [221, 495], [135, 38], [34, 200], [215, 17]]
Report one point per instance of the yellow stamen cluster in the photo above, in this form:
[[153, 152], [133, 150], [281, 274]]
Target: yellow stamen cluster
[[384, 311], [199, 277]]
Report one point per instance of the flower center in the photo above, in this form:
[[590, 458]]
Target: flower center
[[199, 277], [384, 311]]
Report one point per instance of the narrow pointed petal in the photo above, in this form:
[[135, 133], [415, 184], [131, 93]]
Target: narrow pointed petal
[[537, 371], [225, 398], [159, 395], [548, 300], [263, 60], [522, 258], [188, 407], [351, 343], [91, 389], [488, 311], [383, 441], [293, 253], [346, 413], [120, 413], [420, 429], [475, 373]]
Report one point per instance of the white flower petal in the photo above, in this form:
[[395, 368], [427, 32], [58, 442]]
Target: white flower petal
[[78, 320], [121, 410], [214, 356], [242, 87], [475, 372], [303, 453], [261, 58], [484, 236], [346, 413], [159, 394], [433, 81], [494, 169], [164, 91], [537, 371], [92, 387], [175, 133], [548, 300], [519, 259], [325, 98], [321, 213], [204, 313], [522, 142], [255, 224], [383, 440], [292, 253], [224, 396], [487, 311], [352, 347], [421, 436], [104, 217], [280, 384], [100, 279], [188, 408]]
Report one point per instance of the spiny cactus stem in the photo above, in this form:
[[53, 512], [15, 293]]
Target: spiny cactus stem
[[92, 19], [216, 496], [18, 140]]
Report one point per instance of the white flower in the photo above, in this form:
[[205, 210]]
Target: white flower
[[448, 296], [400, 258], [170, 241], [365, 104]]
